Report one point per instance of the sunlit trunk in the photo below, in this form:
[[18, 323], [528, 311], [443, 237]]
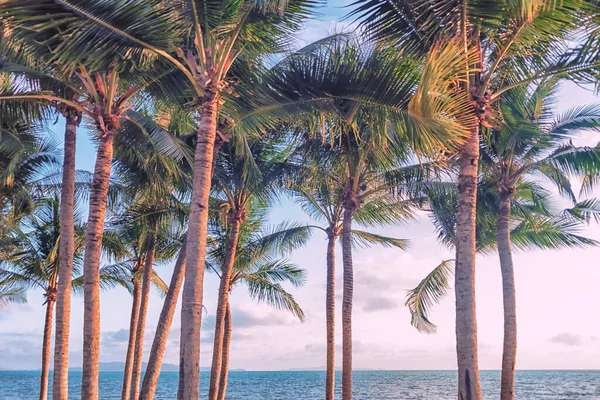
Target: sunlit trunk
[[227, 329], [60, 377], [509, 351], [91, 268], [135, 312], [222, 302], [138, 354], [47, 342], [347, 299], [191, 307], [162, 329], [466, 323], [330, 317]]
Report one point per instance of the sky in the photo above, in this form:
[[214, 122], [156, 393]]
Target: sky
[[557, 296]]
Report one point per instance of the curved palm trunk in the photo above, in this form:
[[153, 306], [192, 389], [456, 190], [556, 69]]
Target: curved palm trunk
[[509, 351], [91, 268], [466, 323], [227, 328], [47, 342], [330, 318], [191, 307], [222, 302], [347, 305], [162, 329], [138, 353], [60, 378], [135, 313]]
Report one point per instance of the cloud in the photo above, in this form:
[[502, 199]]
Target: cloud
[[379, 303], [568, 339], [120, 336]]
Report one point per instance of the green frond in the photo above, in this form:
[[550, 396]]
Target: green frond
[[427, 293], [366, 239]]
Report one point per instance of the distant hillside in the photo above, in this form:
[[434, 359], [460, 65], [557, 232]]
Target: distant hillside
[[117, 366]]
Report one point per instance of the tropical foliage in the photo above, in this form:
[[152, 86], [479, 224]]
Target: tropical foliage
[[204, 119]]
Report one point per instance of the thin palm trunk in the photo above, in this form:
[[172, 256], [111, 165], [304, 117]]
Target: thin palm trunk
[[347, 305], [222, 302], [509, 351], [330, 318], [91, 268], [162, 329], [191, 307], [466, 323], [60, 378], [135, 313], [141, 325], [47, 342], [226, 348]]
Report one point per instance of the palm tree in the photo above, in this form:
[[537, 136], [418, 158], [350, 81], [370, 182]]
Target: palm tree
[[152, 188], [34, 263], [534, 225], [532, 142], [257, 265], [242, 176], [502, 45], [201, 43], [366, 132], [104, 91]]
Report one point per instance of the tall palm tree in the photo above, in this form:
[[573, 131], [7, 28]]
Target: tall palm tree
[[153, 188], [534, 225], [321, 198], [241, 179], [103, 91], [201, 42], [501, 45], [366, 131], [256, 264], [127, 245], [532, 142], [34, 263]]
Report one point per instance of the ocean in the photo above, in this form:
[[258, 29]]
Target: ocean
[[308, 385]]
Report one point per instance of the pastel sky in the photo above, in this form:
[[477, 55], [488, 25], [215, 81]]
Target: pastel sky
[[557, 296]]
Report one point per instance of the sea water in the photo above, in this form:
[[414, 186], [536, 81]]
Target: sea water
[[309, 385]]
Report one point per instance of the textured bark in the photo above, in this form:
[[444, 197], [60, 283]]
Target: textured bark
[[466, 324], [138, 353], [330, 317], [191, 307], [135, 313], [46, 345], [91, 268], [222, 302], [347, 305], [162, 329], [66, 249], [509, 351], [226, 348]]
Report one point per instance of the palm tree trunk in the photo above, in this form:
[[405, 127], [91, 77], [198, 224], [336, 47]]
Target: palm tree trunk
[[138, 353], [225, 353], [91, 268], [60, 377], [509, 352], [347, 305], [191, 307], [222, 301], [466, 323], [330, 318], [162, 329], [135, 313], [166, 316], [47, 342]]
